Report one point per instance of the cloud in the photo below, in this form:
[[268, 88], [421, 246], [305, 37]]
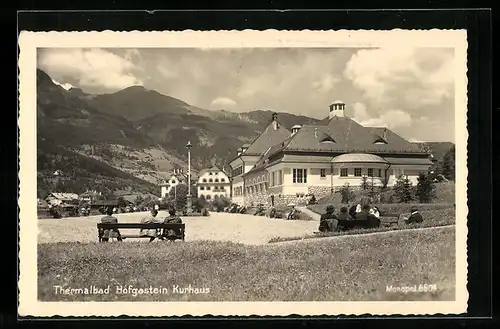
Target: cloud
[[390, 118], [223, 102], [397, 77], [89, 68], [326, 83]]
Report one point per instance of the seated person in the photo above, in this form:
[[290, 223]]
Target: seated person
[[152, 233], [344, 214], [328, 221], [171, 234], [291, 214], [415, 217], [372, 221], [110, 233], [352, 211], [374, 211]]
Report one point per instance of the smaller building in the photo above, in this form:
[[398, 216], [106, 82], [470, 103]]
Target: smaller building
[[177, 177], [213, 183], [56, 199], [90, 196]]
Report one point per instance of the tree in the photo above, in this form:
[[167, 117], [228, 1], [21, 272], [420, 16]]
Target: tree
[[449, 164], [426, 190], [138, 200], [121, 202], [365, 185], [178, 194], [403, 189], [347, 193]]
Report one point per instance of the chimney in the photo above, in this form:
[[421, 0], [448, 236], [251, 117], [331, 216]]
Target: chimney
[[295, 129], [244, 148], [275, 121], [384, 136], [337, 109], [239, 151]]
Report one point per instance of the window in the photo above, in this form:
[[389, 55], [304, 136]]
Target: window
[[204, 180], [222, 180], [370, 172], [357, 172], [322, 173], [173, 181], [210, 174], [216, 180], [299, 175], [210, 180], [202, 188], [208, 197], [238, 171], [379, 173], [343, 172], [208, 188]]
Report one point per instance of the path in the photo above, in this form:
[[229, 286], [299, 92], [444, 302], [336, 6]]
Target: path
[[310, 213], [238, 228]]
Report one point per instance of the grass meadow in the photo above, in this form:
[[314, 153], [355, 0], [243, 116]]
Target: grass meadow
[[348, 268]]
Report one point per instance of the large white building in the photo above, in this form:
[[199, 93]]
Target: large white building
[[282, 166], [212, 183]]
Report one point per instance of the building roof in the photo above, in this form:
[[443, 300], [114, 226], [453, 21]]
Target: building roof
[[267, 138], [64, 196], [212, 168], [343, 134], [337, 102], [358, 158]]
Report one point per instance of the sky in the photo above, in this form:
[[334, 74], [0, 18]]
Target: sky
[[409, 90]]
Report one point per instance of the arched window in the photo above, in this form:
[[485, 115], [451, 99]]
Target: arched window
[[208, 197], [216, 196], [204, 180], [222, 180], [210, 180], [216, 180], [202, 196]]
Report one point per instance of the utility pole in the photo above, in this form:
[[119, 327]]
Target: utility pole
[[189, 201]]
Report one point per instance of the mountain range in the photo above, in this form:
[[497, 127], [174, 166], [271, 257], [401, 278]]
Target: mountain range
[[132, 139]]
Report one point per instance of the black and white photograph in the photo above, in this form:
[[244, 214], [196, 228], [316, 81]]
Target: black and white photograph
[[265, 168]]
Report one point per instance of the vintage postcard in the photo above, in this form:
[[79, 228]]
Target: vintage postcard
[[243, 173]]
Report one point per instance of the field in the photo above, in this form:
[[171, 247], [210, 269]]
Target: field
[[246, 229], [347, 268]]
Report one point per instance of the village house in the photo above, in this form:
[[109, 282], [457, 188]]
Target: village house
[[90, 196], [56, 199], [213, 183], [177, 177], [282, 166]]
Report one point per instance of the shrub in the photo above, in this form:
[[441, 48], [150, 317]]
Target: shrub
[[347, 193], [426, 190], [394, 208], [403, 189]]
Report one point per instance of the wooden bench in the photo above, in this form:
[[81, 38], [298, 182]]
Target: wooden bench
[[101, 227], [390, 218]]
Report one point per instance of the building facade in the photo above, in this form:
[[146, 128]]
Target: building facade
[[177, 177], [318, 159], [213, 183]]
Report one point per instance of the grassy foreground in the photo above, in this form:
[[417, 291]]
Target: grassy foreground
[[345, 269]]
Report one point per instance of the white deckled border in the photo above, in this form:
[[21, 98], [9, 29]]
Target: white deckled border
[[30, 41]]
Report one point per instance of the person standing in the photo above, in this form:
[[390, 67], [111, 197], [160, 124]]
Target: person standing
[[110, 233]]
